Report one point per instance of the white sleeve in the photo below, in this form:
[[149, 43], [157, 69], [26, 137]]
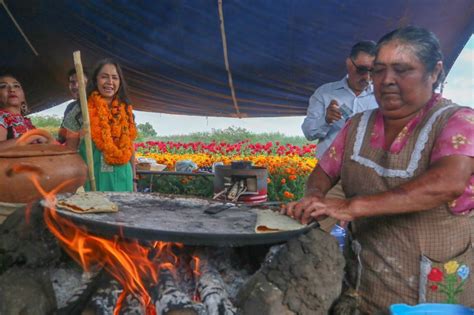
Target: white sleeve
[[314, 125]]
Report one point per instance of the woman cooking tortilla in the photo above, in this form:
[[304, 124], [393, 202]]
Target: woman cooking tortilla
[[407, 171]]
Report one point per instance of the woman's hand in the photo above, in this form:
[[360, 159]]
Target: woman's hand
[[317, 208], [301, 210]]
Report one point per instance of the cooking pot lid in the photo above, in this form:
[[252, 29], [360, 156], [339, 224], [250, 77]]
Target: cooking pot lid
[[31, 150]]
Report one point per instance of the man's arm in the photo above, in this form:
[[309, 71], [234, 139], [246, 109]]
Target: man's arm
[[72, 126], [72, 139], [314, 125]]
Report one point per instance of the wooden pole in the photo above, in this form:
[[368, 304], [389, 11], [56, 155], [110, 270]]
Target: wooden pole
[[86, 125]]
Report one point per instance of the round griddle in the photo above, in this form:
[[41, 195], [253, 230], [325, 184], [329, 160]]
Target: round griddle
[[155, 217]]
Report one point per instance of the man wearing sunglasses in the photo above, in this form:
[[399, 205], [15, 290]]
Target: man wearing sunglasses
[[333, 103]]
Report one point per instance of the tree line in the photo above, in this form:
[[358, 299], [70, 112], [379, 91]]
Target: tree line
[[146, 132]]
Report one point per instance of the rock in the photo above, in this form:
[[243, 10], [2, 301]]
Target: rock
[[27, 250], [26, 241], [263, 298], [26, 292], [304, 277]]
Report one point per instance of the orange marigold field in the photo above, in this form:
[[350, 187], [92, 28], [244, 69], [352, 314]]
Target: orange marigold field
[[288, 166]]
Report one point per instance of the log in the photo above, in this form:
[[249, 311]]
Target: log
[[228, 262], [105, 300], [185, 276], [82, 294], [211, 287], [171, 300]]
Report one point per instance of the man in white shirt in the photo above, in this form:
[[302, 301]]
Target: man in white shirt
[[332, 103]]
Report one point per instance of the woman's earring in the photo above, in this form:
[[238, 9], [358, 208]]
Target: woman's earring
[[24, 108]]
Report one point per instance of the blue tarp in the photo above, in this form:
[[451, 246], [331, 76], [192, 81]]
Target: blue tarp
[[279, 51]]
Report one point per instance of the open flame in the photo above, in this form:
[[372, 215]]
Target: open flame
[[196, 263], [134, 265]]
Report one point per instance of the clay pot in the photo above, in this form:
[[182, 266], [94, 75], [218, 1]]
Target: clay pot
[[52, 164]]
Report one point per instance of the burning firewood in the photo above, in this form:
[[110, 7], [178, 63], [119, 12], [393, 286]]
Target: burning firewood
[[211, 287], [105, 299], [78, 296], [171, 300]]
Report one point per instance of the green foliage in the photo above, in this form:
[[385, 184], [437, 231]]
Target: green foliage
[[46, 121], [280, 183], [235, 134], [49, 123], [145, 131], [231, 134], [179, 185], [203, 186]]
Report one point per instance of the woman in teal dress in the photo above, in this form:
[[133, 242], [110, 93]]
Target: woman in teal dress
[[113, 129]]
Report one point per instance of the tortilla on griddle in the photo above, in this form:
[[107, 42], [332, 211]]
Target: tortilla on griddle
[[88, 202], [270, 221]]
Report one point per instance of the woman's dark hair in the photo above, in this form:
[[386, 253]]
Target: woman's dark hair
[[425, 45], [10, 75], [24, 106], [92, 83]]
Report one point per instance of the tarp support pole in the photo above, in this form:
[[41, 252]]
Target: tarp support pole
[[86, 125], [226, 60], [18, 27]]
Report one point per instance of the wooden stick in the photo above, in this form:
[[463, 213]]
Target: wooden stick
[[86, 125], [226, 60], [19, 28]]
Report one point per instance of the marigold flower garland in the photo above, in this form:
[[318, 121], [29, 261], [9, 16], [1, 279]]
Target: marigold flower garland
[[112, 129]]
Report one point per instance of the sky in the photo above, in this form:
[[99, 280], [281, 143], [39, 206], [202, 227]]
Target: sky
[[459, 88]]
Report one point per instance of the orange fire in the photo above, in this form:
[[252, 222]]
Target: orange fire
[[196, 262], [132, 264]]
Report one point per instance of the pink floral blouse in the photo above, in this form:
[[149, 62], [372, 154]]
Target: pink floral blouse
[[457, 138], [16, 124]]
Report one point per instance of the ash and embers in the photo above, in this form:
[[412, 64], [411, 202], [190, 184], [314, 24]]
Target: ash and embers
[[301, 276]]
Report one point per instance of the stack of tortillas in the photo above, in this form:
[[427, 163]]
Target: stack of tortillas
[[270, 221], [88, 202]]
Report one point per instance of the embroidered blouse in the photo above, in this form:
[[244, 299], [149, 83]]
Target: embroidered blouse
[[16, 124], [455, 139]]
